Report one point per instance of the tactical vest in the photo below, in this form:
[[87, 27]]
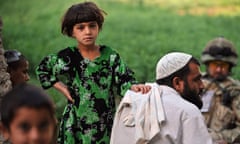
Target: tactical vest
[[220, 115]]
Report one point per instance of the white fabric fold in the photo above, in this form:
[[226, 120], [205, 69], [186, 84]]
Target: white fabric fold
[[145, 113]]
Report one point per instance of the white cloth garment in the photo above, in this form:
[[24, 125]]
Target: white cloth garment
[[161, 116]]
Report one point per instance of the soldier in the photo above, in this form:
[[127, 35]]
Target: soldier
[[221, 97]]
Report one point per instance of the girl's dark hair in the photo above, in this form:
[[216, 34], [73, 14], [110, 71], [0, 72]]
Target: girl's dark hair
[[82, 12], [24, 95], [182, 73], [14, 58]]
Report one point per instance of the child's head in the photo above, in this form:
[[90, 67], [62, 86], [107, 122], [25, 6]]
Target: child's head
[[82, 12], [27, 115], [17, 66]]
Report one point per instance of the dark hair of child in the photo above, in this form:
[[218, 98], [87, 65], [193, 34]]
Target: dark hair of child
[[83, 12], [24, 95], [14, 59]]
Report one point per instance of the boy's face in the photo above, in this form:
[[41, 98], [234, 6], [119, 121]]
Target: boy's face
[[31, 126]]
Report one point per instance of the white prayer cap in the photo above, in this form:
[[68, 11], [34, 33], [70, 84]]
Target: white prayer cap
[[171, 63]]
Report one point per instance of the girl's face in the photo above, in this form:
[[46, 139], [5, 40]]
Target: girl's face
[[31, 126], [20, 75], [86, 33]]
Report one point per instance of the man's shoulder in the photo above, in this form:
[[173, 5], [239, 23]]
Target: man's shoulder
[[228, 82], [175, 103], [234, 81], [190, 109]]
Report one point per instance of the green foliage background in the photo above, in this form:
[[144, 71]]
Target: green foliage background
[[141, 31]]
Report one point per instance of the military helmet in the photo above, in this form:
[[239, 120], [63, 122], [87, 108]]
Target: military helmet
[[220, 49]]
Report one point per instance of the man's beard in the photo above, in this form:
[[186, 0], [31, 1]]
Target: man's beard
[[191, 96], [220, 78]]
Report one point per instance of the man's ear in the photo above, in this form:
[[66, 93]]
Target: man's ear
[[176, 83], [4, 131]]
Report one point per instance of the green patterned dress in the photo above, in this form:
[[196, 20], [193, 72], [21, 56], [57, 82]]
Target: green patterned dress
[[92, 85]]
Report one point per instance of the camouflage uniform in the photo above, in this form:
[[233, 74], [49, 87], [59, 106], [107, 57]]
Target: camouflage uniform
[[221, 97], [223, 118]]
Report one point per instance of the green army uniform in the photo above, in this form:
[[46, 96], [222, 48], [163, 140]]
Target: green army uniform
[[222, 111]]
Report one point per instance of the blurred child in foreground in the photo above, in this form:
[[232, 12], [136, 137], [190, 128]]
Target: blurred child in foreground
[[28, 116]]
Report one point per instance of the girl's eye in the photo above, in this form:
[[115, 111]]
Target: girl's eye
[[25, 127], [93, 25], [81, 27], [43, 125]]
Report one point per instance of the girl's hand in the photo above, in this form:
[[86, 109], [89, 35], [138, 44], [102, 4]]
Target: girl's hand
[[63, 89], [140, 88]]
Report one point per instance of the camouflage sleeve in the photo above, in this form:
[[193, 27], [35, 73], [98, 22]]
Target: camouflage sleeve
[[236, 109], [48, 69], [236, 106], [233, 134], [124, 77], [216, 136]]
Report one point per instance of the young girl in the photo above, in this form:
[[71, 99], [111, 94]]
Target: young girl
[[17, 66], [92, 74], [27, 116]]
